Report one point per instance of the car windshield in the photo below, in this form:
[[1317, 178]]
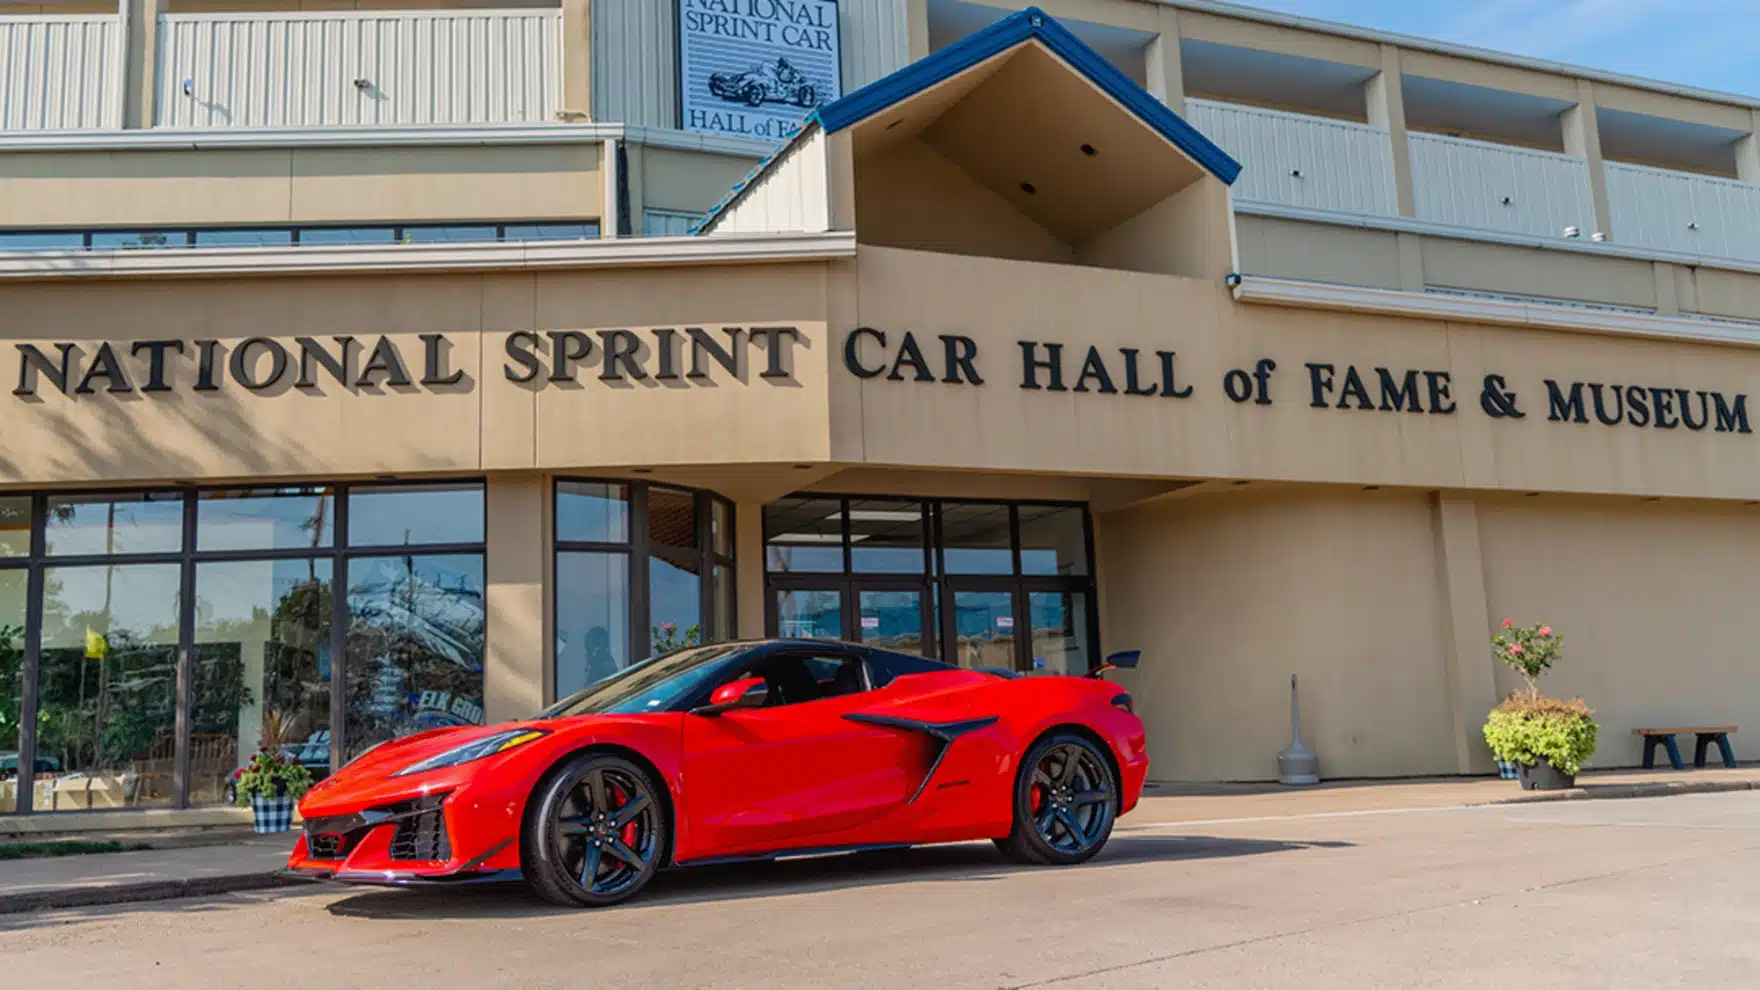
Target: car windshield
[[653, 685]]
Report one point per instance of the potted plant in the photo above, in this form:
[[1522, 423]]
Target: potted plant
[[272, 781], [1545, 739]]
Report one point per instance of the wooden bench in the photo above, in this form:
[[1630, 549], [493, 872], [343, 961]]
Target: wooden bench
[[1706, 735]]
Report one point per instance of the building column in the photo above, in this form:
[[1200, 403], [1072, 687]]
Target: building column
[[1387, 109], [748, 551], [1748, 150], [516, 650], [916, 18], [1162, 69], [1582, 137], [1668, 302], [140, 73], [1472, 686], [577, 61]]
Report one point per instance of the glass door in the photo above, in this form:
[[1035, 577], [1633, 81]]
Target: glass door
[[982, 628], [892, 619], [807, 613]]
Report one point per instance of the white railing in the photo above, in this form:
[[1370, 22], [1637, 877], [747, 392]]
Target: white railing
[[1500, 187], [61, 73], [1678, 211], [377, 68], [1296, 160]]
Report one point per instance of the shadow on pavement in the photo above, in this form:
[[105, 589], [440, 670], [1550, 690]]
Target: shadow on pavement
[[963, 863]]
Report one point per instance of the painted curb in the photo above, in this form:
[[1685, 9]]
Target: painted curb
[[132, 893], [1601, 792]]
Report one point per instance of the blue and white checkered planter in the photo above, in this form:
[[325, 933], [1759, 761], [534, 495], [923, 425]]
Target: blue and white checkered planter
[[272, 814], [1508, 770]]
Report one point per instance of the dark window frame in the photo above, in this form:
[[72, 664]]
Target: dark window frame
[[340, 552], [637, 550], [939, 587]]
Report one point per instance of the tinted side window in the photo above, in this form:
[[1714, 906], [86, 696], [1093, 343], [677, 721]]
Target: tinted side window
[[883, 667]]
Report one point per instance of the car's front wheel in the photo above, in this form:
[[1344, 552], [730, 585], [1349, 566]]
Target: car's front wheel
[[754, 95], [595, 831], [1065, 802]]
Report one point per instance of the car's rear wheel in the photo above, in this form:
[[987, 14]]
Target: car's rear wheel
[[805, 97], [1065, 803], [594, 832], [754, 95]]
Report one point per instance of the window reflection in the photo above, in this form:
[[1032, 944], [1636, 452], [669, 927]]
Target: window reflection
[[591, 512], [415, 646], [592, 618], [276, 519], [803, 535], [675, 603], [261, 669], [12, 608], [410, 515], [107, 687], [886, 537], [976, 538], [15, 526], [82, 525], [1053, 540]]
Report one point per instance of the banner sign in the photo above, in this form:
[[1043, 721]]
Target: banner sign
[[756, 68]]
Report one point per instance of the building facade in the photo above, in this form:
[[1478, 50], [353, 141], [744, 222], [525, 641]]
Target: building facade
[[375, 369]]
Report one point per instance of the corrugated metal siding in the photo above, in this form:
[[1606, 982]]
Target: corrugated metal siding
[[1678, 211], [60, 73], [792, 196], [635, 62], [300, 70], [875, 39], [667, 223], [1296, 160], [1465, 183]]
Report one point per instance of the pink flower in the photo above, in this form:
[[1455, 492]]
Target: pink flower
[[669, 626], [1545, 630], [1515, 648], [1507, 623]]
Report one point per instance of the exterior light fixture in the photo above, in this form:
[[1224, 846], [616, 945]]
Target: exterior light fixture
[[1088, 149], [1029, 188]]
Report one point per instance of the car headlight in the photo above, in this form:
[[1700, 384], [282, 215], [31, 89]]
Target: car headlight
[[476, 749]]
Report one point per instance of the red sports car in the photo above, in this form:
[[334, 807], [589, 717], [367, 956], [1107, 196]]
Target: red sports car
[[737, 751]]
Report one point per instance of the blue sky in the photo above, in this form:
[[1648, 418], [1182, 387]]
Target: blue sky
[[1706, 43]]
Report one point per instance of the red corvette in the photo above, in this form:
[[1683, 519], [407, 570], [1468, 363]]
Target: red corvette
[[737, 751]]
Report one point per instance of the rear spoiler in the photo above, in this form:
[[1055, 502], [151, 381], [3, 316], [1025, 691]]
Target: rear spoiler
[[1127, 660]]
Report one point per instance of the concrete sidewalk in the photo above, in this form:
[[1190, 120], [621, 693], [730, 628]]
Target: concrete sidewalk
[[229, 862]]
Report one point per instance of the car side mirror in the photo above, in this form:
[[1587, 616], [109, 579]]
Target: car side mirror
[[750, 692]]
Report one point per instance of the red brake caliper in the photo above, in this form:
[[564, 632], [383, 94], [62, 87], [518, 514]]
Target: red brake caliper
[[628, 832]]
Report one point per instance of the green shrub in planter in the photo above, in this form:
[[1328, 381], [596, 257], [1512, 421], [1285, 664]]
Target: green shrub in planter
[[1527, 727], [272, 775]]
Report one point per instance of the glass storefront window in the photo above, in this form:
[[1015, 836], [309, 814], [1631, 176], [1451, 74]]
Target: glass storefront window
[[1053, 540], [274, 519], [976, 539], [107, 687], [886, 537], [672, 517], [675, 600], [12, 610], [590, 512], [804, 535], [92, 525], [592, 618], [261, 669], [15, 526], [721, 528], [415, 646], [1060, 638], [724, 603], [809, 614], [983, 628], [412, 515]]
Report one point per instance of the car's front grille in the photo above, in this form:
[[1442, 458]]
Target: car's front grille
[[334, 838], [422, 835]]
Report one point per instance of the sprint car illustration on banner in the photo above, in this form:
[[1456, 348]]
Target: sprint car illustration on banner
[[776, 81]]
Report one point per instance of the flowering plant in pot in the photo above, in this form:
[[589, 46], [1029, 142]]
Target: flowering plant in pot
[[1545, 739], [667, 638], [272, 781]]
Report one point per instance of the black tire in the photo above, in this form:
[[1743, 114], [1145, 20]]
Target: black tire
[[804, 97], [754, 95], [595, 832], [1065, 803]]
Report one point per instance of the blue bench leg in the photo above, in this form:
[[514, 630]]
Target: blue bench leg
[[1674, 754], [1723, 746]]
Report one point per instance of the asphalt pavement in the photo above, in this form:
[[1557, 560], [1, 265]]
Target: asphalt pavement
[[1635, 893]]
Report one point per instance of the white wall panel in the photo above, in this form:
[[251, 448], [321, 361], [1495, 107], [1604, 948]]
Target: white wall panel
[[635, 62], [301, 69], [1296, 160], [875, 39], [792, 196], [60, 73], [1500, 187], [1678, 211]]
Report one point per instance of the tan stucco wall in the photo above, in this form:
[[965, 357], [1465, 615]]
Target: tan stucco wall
[[1318, 252], [300, 185], [910, 194], [1654, 600], [1227, 595], [688, 181]]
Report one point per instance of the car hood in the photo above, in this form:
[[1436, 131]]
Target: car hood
[[392, 756]]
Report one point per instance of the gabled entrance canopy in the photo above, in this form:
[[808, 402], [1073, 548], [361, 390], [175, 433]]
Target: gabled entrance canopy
[[1018, 134]]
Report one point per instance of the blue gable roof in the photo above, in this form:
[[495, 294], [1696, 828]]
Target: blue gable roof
[[1031, 24]]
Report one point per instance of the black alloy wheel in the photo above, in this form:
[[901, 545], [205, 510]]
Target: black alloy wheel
[[594, 833], [1065, 803]]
